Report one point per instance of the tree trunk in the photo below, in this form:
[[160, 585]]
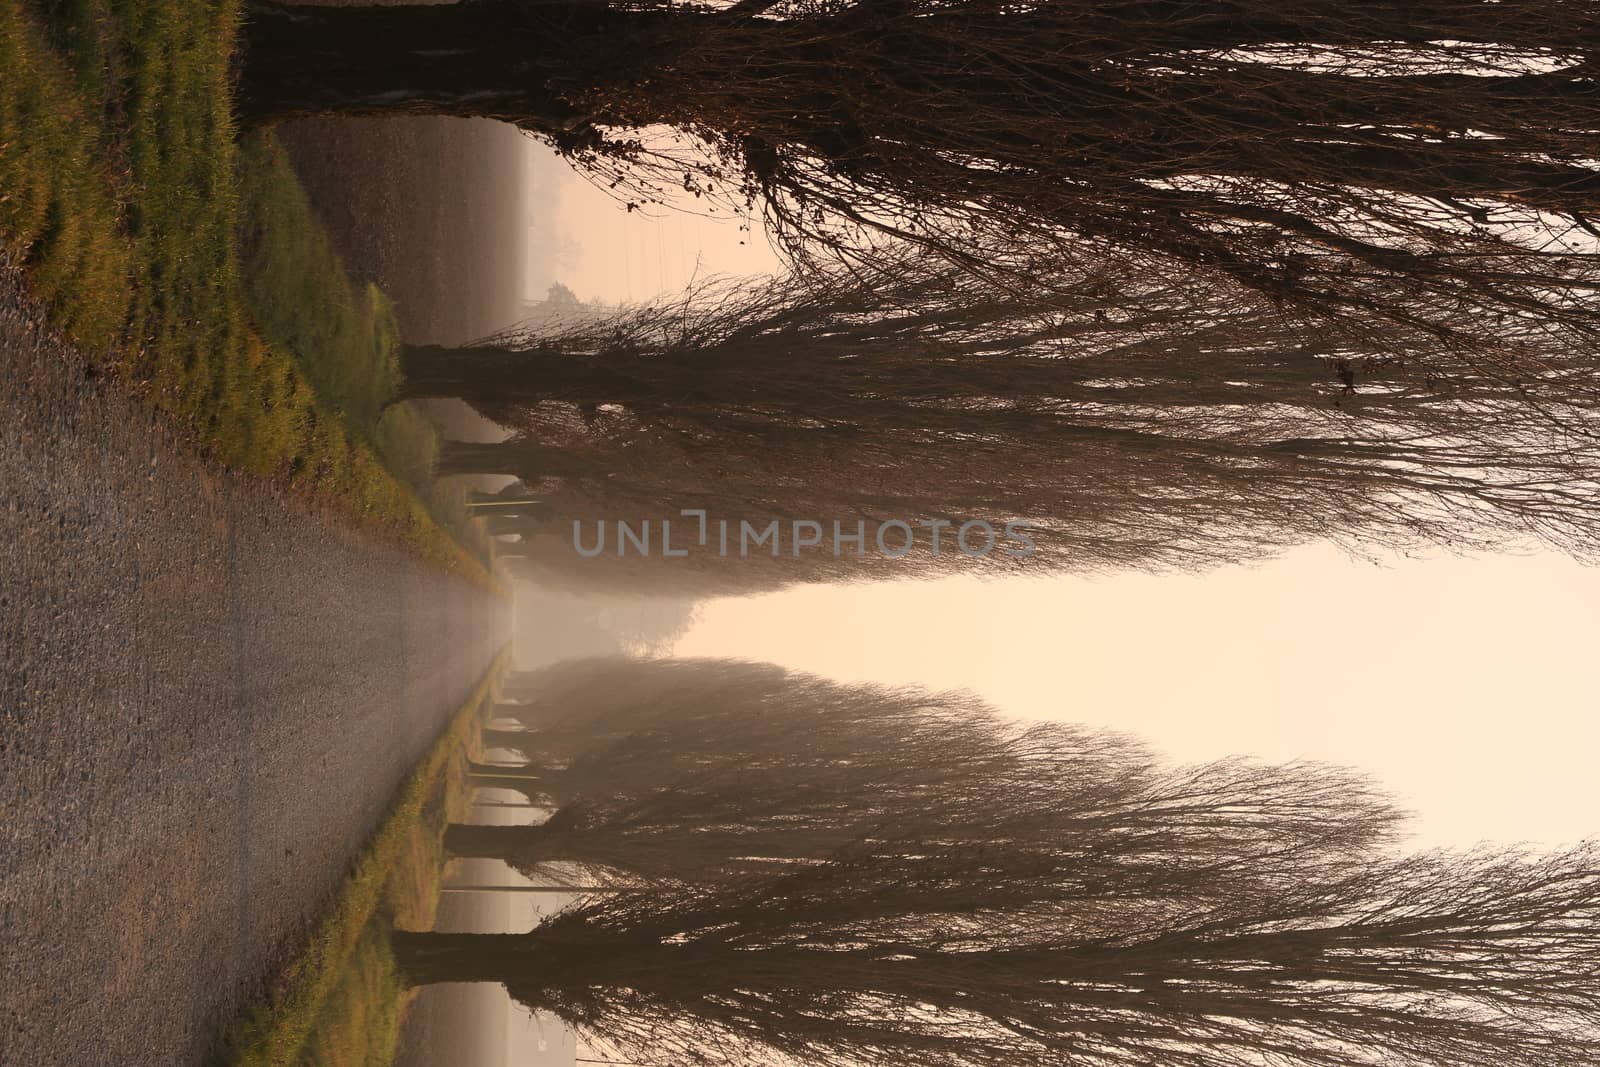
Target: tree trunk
[[486, 373], [427, 957], [476, 457], [523, 459], [464, 59], [521, 843], [510, 60], [441, 371]]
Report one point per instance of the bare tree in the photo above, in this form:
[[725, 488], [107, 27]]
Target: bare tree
[[1169, 922], [697, 769], [1146, 432], [1430, 161], [723, 345]]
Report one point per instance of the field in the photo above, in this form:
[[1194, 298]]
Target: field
[[342, 333], [430, 209], [188, 258]]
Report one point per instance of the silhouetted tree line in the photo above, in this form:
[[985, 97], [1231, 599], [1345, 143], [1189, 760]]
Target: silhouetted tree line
[[842, 875], [1129, 425], [1180, 224], [1426, 162]]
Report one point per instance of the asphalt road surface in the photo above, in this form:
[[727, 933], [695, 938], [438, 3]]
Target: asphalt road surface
[[208, 696]]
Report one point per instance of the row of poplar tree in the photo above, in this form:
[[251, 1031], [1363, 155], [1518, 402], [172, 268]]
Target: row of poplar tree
[[795, 870], [1178, 281]]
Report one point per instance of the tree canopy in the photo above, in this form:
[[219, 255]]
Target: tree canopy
[[1126, 423], [1431, 163], [1079, 900], [694, 769]]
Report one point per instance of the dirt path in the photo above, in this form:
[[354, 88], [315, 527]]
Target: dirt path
[[207, 698]]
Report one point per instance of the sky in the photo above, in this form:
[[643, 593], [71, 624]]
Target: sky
[[581, 236], [1465, 685], [525, 1039]]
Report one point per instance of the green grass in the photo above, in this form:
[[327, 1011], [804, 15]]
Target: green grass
[[341, 1001], [59, 197], [360, 1022], [126, 194], [345, 337]]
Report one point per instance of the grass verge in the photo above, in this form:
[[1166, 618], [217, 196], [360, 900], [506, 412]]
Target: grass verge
[[340, 1003], [59, 196], [345, 337], [120, 193]]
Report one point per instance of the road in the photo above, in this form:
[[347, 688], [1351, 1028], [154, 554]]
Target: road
[[208, 695]]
